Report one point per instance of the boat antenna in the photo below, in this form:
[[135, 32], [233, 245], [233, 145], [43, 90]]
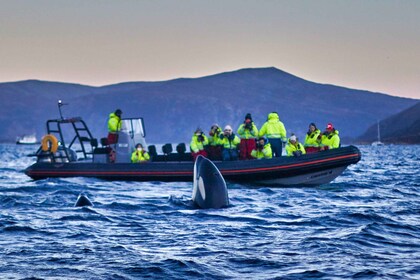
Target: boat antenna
[[60, 104]]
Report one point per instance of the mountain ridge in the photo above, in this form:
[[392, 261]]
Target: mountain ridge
[[173, 109]]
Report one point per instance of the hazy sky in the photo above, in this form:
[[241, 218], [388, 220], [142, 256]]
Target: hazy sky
[[372, 45]]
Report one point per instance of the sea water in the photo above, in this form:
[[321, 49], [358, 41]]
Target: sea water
[[363, 225]]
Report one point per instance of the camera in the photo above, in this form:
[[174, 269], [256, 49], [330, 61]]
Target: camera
[[200, 138], [297, 153], [248, 126]]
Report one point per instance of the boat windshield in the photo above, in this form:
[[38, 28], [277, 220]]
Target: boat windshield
[[132, 132], [133, 127]]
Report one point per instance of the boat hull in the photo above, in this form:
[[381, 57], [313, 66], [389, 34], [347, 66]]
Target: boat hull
[[311, 169], [27, 140], [26, 143]]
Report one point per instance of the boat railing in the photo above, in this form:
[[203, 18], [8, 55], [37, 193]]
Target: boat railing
[[75, 141]]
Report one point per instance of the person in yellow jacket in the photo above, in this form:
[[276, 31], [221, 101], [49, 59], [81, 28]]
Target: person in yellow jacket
[[294, 148], [248, 132], [198, 144], [114, 126], [230, 143], [312, 137], [330, 139], [214, 149], [263, 149], [275, 132], [139, 155]]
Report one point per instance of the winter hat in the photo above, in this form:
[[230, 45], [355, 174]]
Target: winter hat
[[228, 127], [248, 116], [293, 138], [330, 126], [215, 125]]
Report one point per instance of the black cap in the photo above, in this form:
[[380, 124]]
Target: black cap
[[118, 112], [248, 116]]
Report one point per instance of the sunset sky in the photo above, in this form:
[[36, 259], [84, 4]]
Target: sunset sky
[[372, 45]]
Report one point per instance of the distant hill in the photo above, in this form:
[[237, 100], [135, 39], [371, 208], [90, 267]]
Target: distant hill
[[401, 128], [173, 109]]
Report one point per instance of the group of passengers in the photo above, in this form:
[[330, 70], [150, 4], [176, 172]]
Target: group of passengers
[[249, 143]]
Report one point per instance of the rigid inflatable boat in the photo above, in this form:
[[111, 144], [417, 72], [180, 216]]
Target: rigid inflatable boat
[[69, 150]]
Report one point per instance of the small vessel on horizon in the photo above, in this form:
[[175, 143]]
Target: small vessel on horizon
[[378, 142], [27, 140]]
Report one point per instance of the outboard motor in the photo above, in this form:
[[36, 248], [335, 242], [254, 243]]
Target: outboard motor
[[65, 155]]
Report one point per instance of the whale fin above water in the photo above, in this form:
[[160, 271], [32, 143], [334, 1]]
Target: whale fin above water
[[83, 200], [209, 187]]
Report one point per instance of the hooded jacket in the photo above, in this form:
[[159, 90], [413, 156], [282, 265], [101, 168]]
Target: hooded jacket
[[331, 139], [139, 156], [114, 123], [229, 142], [245, 133], [290, 148], [311, 140], [214, 140], [196, 145], [273, 128], [266, 152]]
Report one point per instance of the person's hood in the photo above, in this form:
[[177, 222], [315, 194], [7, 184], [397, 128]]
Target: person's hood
[[273, 117]]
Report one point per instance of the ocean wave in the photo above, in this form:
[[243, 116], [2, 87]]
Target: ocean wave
[[363, 225]]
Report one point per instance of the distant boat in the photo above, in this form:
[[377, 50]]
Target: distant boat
[[378, 142], [27, 140]]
